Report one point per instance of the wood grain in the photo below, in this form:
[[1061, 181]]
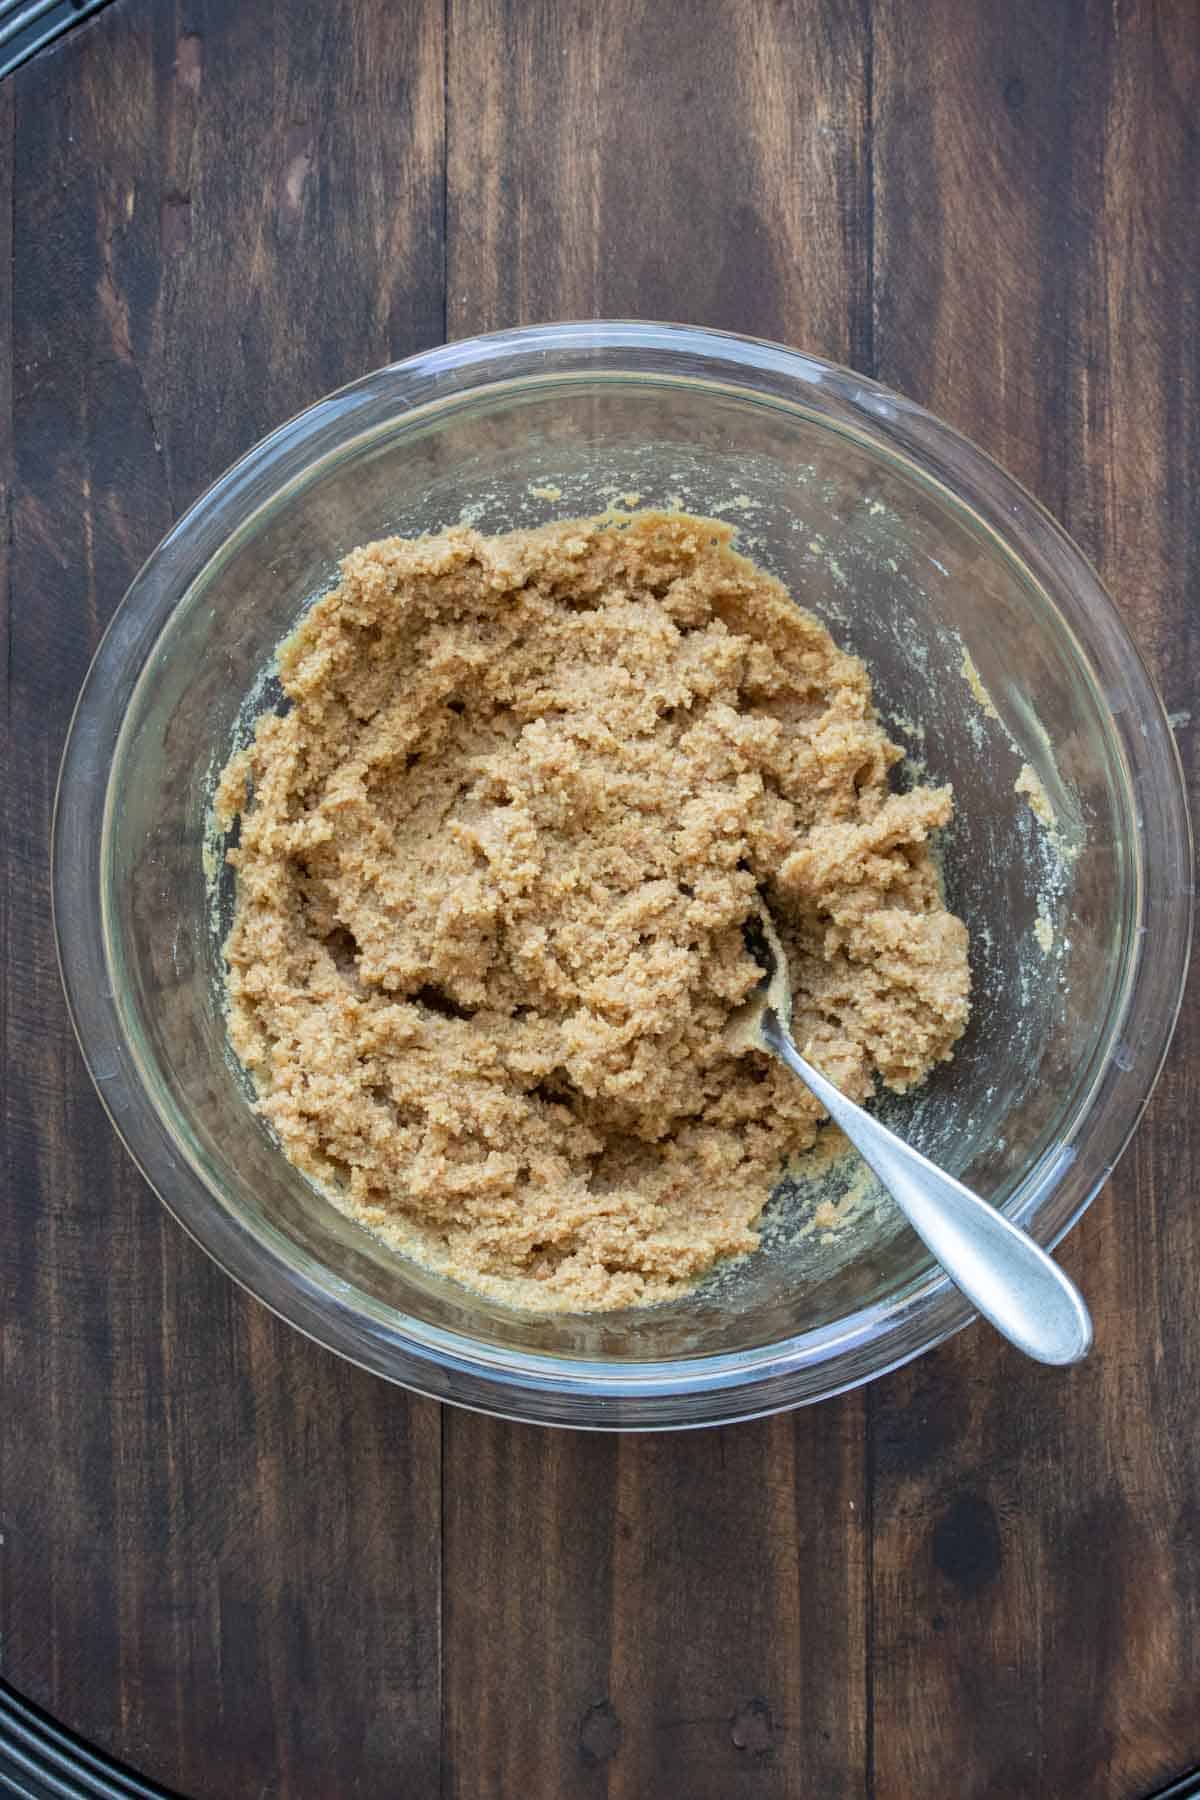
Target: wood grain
[[213, 1532], [623, 161], [637, 1618], [1037, 272], [245, 1567]]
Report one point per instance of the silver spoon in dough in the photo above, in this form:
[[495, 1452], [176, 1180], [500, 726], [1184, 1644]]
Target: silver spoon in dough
[[1002, 1272]]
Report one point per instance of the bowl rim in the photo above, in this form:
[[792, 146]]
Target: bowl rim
[[539, 1387]]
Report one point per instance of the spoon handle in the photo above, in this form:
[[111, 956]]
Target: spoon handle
[[1002, 1272]]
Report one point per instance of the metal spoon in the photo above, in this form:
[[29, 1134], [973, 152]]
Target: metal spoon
[[1002, 1272]]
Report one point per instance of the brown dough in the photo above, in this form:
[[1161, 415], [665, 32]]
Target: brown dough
[[493, 868]]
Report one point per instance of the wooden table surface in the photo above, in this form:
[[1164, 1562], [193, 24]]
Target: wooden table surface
[[245, 1567]]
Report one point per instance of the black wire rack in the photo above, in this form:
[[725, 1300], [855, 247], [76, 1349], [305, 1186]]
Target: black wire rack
[[41, 1761], [27, 26]]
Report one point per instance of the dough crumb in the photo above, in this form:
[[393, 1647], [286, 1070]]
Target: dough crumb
[[493, 867], [974, 681], [1029, 783]]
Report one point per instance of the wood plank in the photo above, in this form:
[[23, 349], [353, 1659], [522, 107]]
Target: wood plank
[[675, 1615], [1034, 1606], [624, 161], [221, 1546], [1134, 399], [655, 1615]]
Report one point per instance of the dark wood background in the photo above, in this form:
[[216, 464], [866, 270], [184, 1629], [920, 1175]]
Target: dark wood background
[[251, 1570]]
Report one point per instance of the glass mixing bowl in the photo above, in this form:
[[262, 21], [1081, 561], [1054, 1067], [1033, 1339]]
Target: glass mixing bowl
[[994, 651]]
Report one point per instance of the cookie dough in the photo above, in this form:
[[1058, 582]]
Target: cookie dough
[[493, 866]]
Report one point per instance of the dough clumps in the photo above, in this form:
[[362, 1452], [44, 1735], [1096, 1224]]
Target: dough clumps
[[493, 866]]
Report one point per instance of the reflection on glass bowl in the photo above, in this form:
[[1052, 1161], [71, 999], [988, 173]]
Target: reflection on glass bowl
[[998, 661]]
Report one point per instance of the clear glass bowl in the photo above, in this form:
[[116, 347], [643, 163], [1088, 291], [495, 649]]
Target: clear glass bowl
[[993, 646]]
